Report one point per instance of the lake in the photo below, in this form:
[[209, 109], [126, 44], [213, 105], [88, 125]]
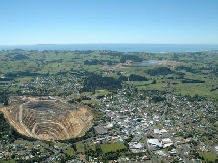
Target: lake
[[146, 63]]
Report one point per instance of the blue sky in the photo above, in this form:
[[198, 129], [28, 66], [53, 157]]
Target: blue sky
[[25, 22]]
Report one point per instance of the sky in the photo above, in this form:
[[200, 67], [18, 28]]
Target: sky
[[28, 22]]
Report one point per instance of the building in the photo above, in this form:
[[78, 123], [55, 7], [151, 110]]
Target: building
[[155, 143]]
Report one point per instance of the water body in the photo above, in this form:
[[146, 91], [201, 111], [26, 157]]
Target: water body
[[151, 48], [146, 63]]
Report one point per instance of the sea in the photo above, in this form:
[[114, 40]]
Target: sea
[[150, 48]]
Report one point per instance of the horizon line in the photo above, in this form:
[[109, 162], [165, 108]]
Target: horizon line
[[108, 44]]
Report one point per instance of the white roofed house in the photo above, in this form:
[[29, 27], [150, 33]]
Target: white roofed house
[[156, 118], [156, 131], [136, 146], [173, 152], [160, 132], [216, 148], [166, 142], [163, 131]]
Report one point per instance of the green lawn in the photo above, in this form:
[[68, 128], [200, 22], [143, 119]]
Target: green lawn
[[91, 102], [101, 92], [80, 148], [8, 161], [112, 147], [19, 141], [42, 149], [208, 156], [69, 151]]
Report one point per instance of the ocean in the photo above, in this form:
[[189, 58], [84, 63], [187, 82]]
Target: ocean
[[151, 48]]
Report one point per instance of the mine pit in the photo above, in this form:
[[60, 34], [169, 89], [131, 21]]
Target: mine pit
[[48, 118]]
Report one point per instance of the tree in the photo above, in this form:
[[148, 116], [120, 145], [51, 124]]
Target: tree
[[134, 77], [154, 82], [6, 102]]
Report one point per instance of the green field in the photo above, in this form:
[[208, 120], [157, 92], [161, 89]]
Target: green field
[[95, 102], [8, 161], [69, 151], [112, 147], [209, 156], [204, 66], [80, 148], [101, 92]]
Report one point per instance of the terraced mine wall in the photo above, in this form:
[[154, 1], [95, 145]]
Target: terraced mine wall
[[48, 119]]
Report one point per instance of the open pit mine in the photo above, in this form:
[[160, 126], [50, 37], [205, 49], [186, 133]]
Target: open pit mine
[[48, 118]]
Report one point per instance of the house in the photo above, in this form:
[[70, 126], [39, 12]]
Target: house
[[173, 152], [216, 148], [161, 153], [160, 132], [166, 142], [136, 146], [167, 145]]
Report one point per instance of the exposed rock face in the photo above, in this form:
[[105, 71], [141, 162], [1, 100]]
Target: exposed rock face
[[48, 118]]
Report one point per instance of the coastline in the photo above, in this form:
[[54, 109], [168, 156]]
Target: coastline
[[149, 48]]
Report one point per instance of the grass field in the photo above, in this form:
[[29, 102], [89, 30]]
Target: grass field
[[112, 147], [208, 156], [80, 148], [95, 102], [8, 161], [102, 92], [69, 151], [19, 141]]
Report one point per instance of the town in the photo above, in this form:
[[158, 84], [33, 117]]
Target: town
[[141, 114], [147, 127]]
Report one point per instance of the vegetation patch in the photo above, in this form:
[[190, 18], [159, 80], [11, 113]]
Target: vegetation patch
[[208, 156], [92, 62], [80, 148], [69, 151], [98, 82], [112, 147], [134, 77], [159, 71], [133, 58]]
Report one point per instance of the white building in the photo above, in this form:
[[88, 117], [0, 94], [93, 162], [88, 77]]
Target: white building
[[155, 143]]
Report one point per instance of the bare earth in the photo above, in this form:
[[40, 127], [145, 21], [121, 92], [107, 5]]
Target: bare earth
[[47, 118]]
